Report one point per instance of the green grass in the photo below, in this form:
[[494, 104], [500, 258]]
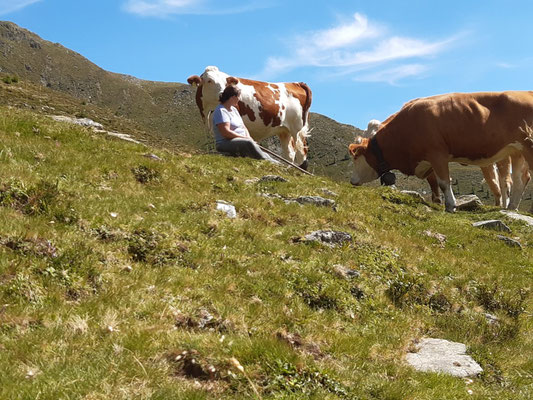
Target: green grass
[[112, 264]]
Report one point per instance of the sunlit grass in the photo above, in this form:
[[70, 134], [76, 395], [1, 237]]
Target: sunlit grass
[[120, 263]]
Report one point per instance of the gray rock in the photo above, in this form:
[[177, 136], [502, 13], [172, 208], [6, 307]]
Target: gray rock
[[439, 355], [226, 207], [517, 216], [494, 224], [329, 238], [316, 200], [509, 242], [346, 273], [439, 236], [491, 319], [152, 156], [272, 178], [469, 202], [78, 121]]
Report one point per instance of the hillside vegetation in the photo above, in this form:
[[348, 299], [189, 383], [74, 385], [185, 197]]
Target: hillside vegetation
[[164, 111], [119, 279]]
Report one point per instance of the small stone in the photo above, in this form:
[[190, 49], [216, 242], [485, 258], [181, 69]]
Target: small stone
[[152, 156], [439, 236], [346, 273], [491, 319], [226, 207], [113, 214], [316, 200], [272, 178], [329, 238], [510, 242]]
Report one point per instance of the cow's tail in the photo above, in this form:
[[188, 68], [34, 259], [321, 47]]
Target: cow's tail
[[307, 104]]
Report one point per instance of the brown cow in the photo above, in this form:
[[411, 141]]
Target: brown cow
[[428, 133]]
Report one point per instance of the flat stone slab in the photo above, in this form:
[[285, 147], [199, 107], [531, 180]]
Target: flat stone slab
[[443, 356], [494, 224], [518, 216]]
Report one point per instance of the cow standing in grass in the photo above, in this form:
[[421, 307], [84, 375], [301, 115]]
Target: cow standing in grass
[[267, 109], [428, 133]]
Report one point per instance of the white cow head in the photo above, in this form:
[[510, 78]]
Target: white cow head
[[210, 85], [362, 172]]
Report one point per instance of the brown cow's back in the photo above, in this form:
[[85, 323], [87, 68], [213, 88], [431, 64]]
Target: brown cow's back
[[474, 126]]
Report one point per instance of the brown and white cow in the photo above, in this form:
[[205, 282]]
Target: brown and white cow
[[497, 176], [428, 133], [267, 109]]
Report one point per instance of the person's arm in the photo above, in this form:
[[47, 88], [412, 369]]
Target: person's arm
[[226, 132]]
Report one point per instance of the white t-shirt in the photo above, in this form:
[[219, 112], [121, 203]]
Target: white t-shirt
[[222, 115]]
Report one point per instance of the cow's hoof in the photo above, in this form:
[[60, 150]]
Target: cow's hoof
[[304, 165]]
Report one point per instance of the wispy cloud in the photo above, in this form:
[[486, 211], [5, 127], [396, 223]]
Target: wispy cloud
[[9, 6], [393, 75], [358, 44], [167, 8]]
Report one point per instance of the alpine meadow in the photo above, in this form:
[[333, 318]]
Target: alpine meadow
[[122, 276]]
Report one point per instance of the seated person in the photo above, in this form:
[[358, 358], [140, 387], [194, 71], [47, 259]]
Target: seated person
[[231, 135]]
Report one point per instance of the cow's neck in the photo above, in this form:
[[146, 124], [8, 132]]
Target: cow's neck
[[382, 165]]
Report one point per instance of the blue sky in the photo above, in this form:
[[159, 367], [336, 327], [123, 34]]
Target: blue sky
[[362, 59]]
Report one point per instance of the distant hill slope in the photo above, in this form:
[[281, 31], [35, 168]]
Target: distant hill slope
[[165, 110]]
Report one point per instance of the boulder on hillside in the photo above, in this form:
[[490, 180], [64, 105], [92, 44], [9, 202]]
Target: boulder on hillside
[[469, 202]]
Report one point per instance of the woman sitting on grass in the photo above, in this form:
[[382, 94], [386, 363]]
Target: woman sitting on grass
[[231, 135]]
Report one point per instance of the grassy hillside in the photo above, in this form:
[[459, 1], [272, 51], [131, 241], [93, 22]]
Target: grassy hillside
[[166, 111], [116, 272]]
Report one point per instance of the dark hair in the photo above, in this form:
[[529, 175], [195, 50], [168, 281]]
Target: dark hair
[[230, 91]]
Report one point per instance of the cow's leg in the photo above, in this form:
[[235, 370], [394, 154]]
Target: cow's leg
[[435, 192], [505, 180], [489, 173], [520, 178], [442, 173], [287, 145]]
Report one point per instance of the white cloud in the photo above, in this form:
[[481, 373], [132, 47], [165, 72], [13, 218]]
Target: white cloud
[[9, 6], [166, 8], [357, 45], [505, 65], [394, 74]]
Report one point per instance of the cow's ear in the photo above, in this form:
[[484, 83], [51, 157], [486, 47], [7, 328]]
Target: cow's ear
[[231, 80], [194, 80], [353, 149]]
